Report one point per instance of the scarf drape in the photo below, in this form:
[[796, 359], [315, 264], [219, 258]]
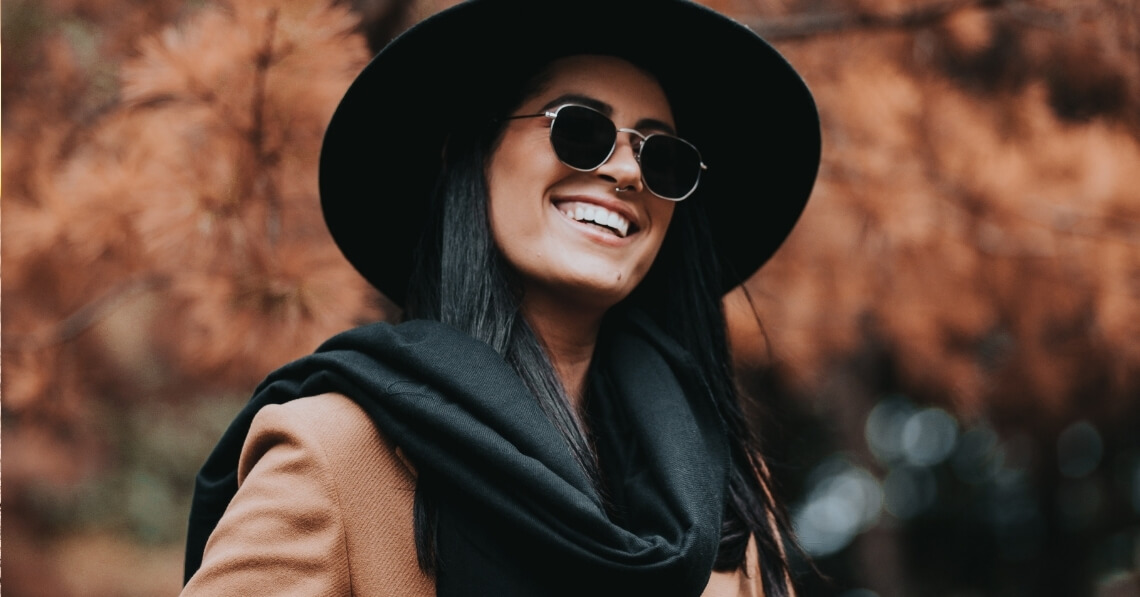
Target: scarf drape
[[517, 516]]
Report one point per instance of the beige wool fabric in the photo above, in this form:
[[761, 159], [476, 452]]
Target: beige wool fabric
[[324, 507]]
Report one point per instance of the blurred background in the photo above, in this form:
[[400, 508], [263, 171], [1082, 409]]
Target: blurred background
[[947, 360]]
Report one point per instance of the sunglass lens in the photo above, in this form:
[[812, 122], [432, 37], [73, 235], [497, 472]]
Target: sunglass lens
[[582, 138], [670, 166]]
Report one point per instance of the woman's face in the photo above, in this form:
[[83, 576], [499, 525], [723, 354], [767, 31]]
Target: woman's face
[[541, 210]]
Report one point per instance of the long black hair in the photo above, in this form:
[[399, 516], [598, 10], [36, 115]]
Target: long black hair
[[461, 278]]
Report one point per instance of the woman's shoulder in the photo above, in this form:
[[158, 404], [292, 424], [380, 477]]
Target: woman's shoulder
[[338, 432], [324, 506], [333, 415]]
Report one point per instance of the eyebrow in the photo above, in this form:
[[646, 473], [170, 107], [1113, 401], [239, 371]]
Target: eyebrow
[[608, 110]]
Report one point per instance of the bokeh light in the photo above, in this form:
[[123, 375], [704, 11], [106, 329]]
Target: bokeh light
[[843, 501], [884, 428], [977, 457], [1079, 450], [928, 437], [1014, 515]]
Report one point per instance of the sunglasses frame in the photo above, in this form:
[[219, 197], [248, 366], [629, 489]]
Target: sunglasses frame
[[553, 115]]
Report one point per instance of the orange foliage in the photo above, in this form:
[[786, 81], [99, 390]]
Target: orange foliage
[[174, 241], [975, 216], [988, 243]]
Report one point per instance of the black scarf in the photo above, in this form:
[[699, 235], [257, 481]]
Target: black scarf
[[516, 514]]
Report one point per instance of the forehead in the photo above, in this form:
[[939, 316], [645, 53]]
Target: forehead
[[627, 89]]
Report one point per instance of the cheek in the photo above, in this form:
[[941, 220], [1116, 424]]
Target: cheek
[[520, 172], [515, 217], [517, 172], [501, 193], [662, 215], [522, 154], [508, 223]]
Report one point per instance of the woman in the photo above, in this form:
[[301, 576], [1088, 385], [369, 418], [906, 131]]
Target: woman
[[556, 415]]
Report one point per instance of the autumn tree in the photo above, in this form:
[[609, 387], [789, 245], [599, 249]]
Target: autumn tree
[[974, 238], [162, 236]]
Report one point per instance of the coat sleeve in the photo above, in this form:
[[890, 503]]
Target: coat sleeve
[[283, 533]]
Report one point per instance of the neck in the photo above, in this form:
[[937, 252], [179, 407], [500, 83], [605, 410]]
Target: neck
[[569, 336]]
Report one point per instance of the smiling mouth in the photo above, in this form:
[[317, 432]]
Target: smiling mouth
[[597, 216]]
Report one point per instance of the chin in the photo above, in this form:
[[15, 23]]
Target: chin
[[598, 291], [581, 282]]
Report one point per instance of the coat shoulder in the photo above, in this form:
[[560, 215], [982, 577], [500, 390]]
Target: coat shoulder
[[348, 437], [374, 486], [325, 501]]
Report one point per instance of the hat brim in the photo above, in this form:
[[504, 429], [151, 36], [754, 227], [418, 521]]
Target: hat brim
[[733, 96]]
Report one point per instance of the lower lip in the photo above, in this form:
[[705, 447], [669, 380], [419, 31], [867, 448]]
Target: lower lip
[[593, 232]]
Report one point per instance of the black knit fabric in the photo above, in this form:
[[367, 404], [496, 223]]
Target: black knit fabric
[[516, 514]]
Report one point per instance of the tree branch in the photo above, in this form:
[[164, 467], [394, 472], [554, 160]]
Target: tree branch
[[89, 314], [263, 178], [798, 27]]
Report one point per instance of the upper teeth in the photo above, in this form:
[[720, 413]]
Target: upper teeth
[[588, 212]]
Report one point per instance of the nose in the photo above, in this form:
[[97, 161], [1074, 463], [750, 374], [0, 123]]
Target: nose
[[622, 169]]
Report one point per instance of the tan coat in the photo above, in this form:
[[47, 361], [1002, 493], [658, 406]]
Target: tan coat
[[324, 507]]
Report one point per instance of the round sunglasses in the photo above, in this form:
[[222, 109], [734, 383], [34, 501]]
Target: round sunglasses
[[584, 139]]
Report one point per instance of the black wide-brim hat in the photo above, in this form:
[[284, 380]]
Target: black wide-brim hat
[[733, 96]]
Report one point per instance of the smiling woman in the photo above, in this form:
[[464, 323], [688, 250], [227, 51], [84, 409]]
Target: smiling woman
[[552, 222], [556, 415]]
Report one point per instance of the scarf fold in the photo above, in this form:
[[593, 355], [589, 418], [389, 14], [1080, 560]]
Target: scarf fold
[[517, 516]]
